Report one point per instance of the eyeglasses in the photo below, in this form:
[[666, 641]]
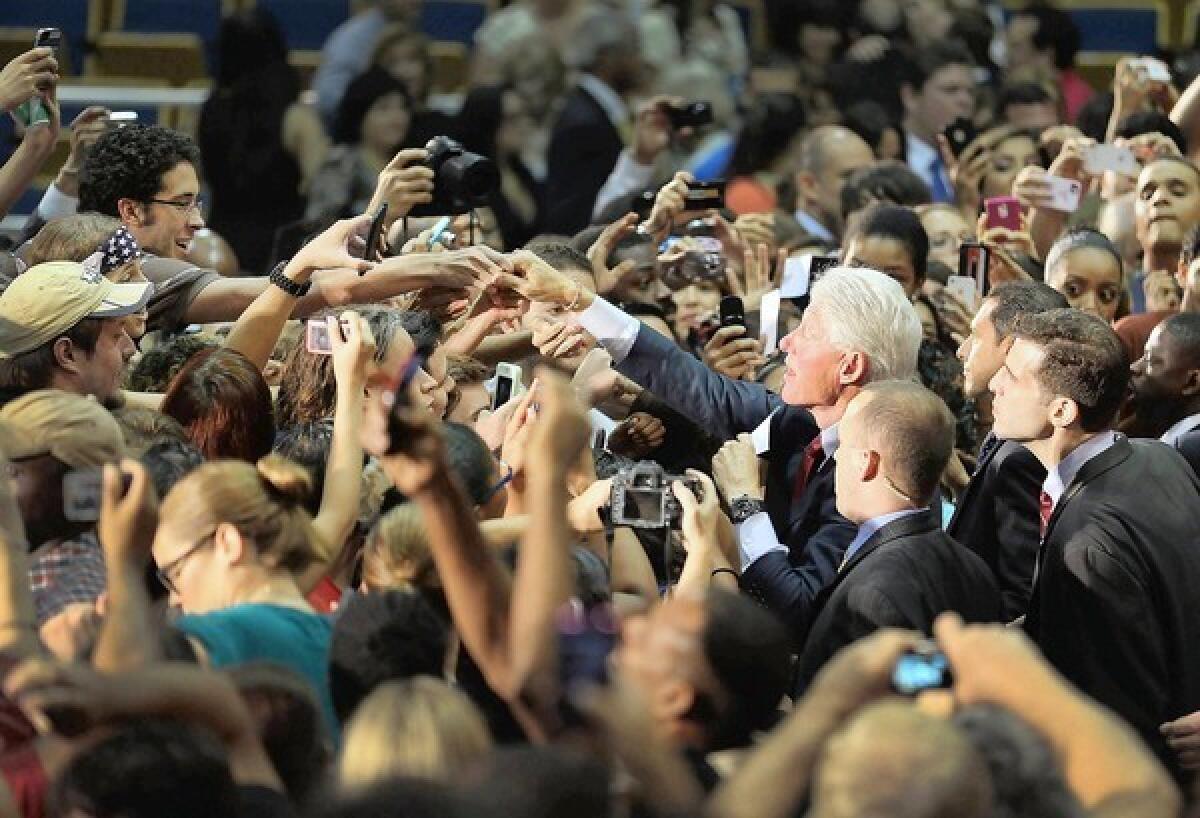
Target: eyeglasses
[[167, 572], [196, 204], [496, 489]]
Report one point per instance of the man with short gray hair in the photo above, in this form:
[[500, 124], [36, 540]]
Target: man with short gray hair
[[595, 121], [859, 327]]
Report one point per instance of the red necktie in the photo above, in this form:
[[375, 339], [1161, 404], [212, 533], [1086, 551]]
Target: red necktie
[[813, 454], [1045, 507]]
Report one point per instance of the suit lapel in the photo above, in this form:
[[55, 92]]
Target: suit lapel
[[1107, 460], [895, 530]]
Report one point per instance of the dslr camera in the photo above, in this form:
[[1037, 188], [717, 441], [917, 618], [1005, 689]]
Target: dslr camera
[[642, 497], [462, 180]]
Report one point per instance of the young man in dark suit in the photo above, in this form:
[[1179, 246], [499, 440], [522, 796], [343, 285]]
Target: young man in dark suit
[[996, 517], [859, 327], [1113, 605], [901, 570], [590, 132], [1166, 385]]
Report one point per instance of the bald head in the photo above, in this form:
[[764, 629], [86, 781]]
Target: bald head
[[892, 761], [825, 157]]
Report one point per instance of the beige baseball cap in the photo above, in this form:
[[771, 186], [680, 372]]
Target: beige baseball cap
[[74, 429], [48, 299]]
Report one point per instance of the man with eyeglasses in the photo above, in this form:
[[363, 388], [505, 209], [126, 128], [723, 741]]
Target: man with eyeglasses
[[49, 435], [148, 177]]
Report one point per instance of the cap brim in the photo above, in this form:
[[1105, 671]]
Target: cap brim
[[123, 299]]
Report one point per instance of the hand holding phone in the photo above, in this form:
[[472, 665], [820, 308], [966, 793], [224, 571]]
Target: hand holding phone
[[1003, 211], [922, 667], [33, 111], [372, 252], [316, 336]]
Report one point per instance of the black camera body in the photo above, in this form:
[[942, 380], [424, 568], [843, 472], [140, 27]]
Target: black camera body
[[642, 497], [690, 115], [462, 180]]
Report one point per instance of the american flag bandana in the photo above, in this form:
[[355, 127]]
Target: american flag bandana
[[118, 249]]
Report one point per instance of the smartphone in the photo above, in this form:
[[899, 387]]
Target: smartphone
[[690, 115], [732, 312], [1003, 211], [371, 251], [1065, 194], [120, 118], [923, 667], [964, 288], [973, 260], [33, 111], [1155, 70], [960, 133], [82, 490], [316, 336], [1100, 158], [438, 234], [510, 384], [707, 196]]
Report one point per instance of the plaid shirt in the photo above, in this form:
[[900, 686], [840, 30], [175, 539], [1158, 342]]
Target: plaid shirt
[[71, 571]]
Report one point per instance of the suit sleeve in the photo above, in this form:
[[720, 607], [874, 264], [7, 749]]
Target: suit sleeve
[[722, 406], [1122, 660], [791, 591], [1017, 488]]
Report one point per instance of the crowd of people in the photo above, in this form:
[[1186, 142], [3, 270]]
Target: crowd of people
[[664, 427]]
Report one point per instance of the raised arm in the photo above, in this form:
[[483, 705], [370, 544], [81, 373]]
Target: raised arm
[[128, 639]]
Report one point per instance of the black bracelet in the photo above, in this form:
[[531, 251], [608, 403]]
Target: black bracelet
[[729, 571], [286, 284]]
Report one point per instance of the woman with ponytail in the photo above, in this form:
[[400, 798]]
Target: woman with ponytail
[[232, 538]]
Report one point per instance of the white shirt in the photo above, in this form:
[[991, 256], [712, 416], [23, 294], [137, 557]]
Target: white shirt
[[757, 536], [1172, 435], [921, 156], [613, 328], [628, 176], [1059, 478], [814, 228]]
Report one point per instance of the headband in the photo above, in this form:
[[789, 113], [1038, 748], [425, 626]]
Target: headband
[[1078, 240], [117, 250]]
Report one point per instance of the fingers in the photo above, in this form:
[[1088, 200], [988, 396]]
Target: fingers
[[93, 113], [407, 157]]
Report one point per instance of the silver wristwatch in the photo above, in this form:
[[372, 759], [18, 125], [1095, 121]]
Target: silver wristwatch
[[744, 507]]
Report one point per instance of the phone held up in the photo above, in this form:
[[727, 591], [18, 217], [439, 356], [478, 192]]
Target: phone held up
[[921, 668], [973, 260], [371, 252], [33, 111]]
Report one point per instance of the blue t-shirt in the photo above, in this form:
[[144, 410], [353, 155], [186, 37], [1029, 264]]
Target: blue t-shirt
[[269, 633]]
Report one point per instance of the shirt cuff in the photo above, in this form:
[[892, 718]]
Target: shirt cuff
[[55, 204], [627, 176], [756, 537], [615, 330]]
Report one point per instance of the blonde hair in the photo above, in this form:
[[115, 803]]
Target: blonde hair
[[71, 238], [396, 554], [264, 501], [418, 727]]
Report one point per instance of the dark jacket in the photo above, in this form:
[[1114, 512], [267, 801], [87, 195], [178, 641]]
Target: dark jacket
[[1113, 605], [809, 525], [906, 574], [584, 146], [997, 518], [1188, 445]]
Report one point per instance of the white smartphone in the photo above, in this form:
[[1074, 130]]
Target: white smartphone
[[1065, 194], [81, 495], [1100, 158], [964, 288], [1156, 70], [510, 384], [120, 118], [316, 337]]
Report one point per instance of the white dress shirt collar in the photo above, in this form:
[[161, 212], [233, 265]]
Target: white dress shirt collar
[[1180, 429], [1059, 478]]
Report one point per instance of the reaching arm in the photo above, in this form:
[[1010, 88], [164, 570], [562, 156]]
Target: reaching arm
[[18, 623], [1186, 114]]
